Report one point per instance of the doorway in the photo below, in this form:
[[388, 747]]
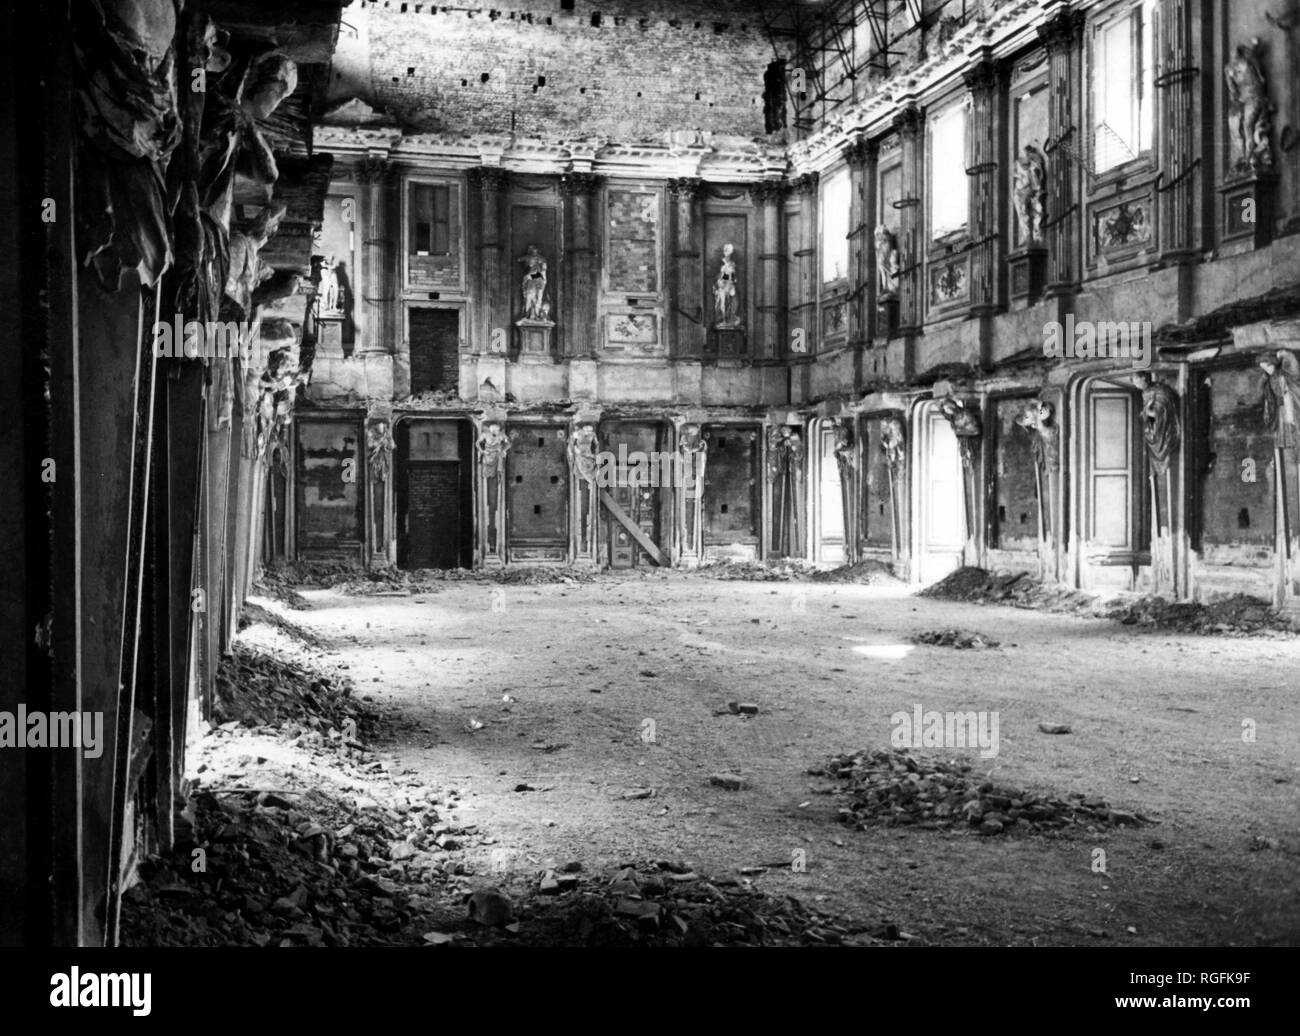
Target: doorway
[[941, 529], [433, 494]]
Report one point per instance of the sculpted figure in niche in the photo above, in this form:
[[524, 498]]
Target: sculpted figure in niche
[[328, 291], [1249, 109], [534, 286], [1039, 419], [1161, 427], [886, 259], [724, 290], [1031, 193], [1282, 397]]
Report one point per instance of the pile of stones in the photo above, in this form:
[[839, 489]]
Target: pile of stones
[[898, 788]]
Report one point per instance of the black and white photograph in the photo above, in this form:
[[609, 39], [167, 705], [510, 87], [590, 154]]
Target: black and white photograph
[[656, 477]]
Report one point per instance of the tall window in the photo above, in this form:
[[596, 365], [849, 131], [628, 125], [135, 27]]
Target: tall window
[[1123, 87], [948, 185], [430, 229], [836, 203]]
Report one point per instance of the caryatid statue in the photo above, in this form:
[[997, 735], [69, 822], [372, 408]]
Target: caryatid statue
[[379, 450], [1031, 192], [1161, 427], [1282, 397], [534, 285], [692, 453], [1039, 419], [893, 441], [724, 291], [886, 259], [492, 446], [582, 453]]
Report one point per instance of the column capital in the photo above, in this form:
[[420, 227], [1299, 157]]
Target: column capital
[[685, 188], [373, 170], [805, 184], [575, 183], [1063, 31], [908, 120], [982, 76], [490, 179], [861, 151], [767, 191]]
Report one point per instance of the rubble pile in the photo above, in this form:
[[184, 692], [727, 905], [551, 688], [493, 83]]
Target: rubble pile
[[896, 788], [252, 614], [954, 638], [1240, 614], [787, 569], [291, 869], [866, 572], [1019, 589], [256, 689], [284, 869]]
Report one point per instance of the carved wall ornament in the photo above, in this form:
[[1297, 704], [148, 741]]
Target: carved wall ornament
[[1031, 192], [1161, 426], [724, 291], [1250, 112], [1125, 224], [949, 281], [887, 261], [1282, 397], [373, 170]]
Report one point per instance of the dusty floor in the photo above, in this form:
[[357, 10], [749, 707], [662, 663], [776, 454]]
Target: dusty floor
[[593, 693]]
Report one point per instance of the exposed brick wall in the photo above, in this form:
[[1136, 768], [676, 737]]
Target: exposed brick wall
[[435, 353], [550, 73]]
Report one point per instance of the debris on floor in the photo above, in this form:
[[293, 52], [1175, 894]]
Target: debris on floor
[[1240, 614], [953, 638], [790, 569], [895, 787], [256, 689]]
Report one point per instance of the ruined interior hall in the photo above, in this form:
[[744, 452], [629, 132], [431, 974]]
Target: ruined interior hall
[[830, 470]]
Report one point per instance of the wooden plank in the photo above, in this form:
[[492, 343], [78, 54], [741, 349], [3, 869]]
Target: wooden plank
[[647, 544]]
